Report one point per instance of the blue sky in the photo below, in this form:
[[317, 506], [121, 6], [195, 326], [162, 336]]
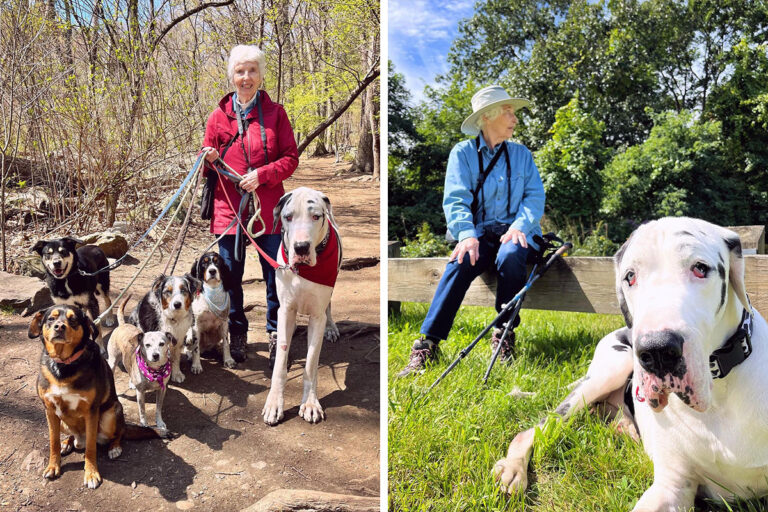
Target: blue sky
[[420, 34]]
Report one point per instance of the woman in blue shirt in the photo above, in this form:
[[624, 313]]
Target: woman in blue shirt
[[493, 201]]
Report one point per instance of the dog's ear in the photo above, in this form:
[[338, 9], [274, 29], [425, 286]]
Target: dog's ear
[[171, 338], [195, 271], [736, 266], [329, 211], [279, 208], [140, 338], [36, 326], [157, 284], [619, 290], [38, 247], [195, 285], [226, 275], [71, 242], [91, 329]]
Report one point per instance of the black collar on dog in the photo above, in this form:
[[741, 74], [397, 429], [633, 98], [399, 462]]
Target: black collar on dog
[[322, 245], [735, 350]]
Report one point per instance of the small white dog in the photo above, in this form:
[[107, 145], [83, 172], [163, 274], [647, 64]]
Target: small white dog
[[310, 258]]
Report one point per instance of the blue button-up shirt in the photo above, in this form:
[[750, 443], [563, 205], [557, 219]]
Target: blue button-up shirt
[[526, 201]]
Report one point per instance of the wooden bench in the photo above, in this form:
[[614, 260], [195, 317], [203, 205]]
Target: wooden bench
[[584, 284]]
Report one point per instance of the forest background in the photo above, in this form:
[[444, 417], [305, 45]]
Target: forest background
[[641, 109], [103, 103]]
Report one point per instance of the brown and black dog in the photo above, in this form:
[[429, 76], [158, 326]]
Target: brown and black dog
[[78, 391]]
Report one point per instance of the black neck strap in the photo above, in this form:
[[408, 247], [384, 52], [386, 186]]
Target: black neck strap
[[485, 171], [735, 350]]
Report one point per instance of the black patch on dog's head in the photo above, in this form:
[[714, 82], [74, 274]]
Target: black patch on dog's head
[[157, 286], [279, 208], [734, 245]]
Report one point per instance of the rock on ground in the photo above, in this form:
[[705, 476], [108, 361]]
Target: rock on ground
[[22, 294]]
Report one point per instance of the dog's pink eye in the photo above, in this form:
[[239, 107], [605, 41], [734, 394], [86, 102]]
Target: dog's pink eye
[[289, 218], [700, 270], [630, 277], [315, 217]]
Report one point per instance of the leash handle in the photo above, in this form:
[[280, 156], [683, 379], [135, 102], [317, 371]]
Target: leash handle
[[557, 254]]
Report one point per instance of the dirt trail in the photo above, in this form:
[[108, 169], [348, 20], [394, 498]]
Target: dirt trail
[[226, 457]]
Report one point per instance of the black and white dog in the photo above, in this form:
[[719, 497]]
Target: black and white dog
[[167, 307], [210, 310], [63, 263]]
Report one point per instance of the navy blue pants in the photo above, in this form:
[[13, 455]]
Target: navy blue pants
[[270, 244], [509, 259]]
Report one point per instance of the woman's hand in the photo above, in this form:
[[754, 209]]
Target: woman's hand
[[469, 246], [250, 181], [210, 154], [516, 236]]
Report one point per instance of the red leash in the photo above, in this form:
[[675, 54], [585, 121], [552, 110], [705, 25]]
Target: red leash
[[264, 255]]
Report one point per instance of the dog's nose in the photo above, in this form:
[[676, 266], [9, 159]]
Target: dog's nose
[[661, 352], [212, 271], [59, 326], [301, 248], [155, 357], [177, 304]]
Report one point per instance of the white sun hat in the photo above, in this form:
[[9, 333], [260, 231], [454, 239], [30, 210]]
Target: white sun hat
[[485, 99]]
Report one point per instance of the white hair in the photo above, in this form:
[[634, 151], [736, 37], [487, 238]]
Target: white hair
[[489, 115], [246, 53]]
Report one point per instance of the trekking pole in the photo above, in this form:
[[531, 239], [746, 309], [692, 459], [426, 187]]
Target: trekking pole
[[520, 297], [511, 305]]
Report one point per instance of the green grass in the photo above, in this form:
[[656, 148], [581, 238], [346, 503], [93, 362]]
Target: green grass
[[442, 447]]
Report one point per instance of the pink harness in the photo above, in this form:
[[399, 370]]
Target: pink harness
[[160, 375]]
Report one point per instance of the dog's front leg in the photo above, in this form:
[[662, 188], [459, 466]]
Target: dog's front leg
[[669, 493], [176, 374], [331, 333], [92, 478], [159, 409], [141, 401], [310, 408], [608, 372], [224, 335], [286, 323], [193, 347], [54, 437]]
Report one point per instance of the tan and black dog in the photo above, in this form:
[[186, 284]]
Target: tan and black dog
[[78, 391]]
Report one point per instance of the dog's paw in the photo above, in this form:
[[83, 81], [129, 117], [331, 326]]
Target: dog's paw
[[52, 471], [311, 411], [68, 445], [273, 410], [331, 334], [197, 369], [511, 475], [229, 363], [177, 376], [115, 452], [92, 479]]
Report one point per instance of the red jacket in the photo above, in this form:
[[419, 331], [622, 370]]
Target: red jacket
[[281, 150]]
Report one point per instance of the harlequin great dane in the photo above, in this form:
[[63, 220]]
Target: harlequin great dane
[[309, 258], [696, 354]]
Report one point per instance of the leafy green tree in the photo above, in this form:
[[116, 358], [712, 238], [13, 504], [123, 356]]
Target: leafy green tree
[[681, 169], [571, 164]]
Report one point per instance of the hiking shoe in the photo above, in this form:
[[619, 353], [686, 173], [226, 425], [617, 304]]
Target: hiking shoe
[[507, 344], [423, 351], [237, 346]]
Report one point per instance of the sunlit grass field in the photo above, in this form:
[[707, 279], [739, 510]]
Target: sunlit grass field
[[442, 447]]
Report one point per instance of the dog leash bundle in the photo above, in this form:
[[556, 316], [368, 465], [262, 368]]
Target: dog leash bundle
[[119, 261]]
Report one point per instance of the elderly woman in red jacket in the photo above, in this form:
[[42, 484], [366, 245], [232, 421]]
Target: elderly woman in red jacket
[[253, 135]]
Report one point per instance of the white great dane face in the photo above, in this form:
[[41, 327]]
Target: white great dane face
[[676, 279], [306, 217]]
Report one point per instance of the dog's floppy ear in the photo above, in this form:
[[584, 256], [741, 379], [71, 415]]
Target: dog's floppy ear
[[619, 291], [71, 242], [171, 338], [329, 211], [36, 326], [194, 272], [279, 208], [195, 285], [736, 266], [157, 284], [38, 247], [140, 338]]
